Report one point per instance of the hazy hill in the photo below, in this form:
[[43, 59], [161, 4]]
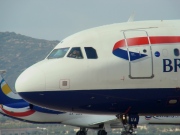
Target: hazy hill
[[17, 52]]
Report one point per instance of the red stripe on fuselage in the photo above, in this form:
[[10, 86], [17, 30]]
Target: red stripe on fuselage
[[137, 41], [18, 114]]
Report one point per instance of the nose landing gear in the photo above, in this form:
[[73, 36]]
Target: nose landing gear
[[129, 122]]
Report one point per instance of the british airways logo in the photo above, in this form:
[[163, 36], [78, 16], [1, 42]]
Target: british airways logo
[[171, 65], [121, 47], [159, 117]]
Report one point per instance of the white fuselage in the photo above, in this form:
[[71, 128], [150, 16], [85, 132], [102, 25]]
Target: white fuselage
[[136, 71]]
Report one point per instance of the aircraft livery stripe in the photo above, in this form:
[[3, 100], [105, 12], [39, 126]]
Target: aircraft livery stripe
[[6, 89], [144, 41], [18, 114]]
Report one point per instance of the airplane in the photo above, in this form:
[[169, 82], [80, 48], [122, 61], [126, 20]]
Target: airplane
[[13, 106], [126, 69]]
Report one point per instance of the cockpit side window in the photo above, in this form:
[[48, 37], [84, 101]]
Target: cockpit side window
[[75, 53], [58, 53], [91, 53]]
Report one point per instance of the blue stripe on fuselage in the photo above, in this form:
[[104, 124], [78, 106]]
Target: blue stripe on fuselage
[[124, 54], [21, 104], [108, 101]]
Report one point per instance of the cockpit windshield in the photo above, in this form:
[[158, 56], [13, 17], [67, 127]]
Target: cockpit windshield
[[58, 53]]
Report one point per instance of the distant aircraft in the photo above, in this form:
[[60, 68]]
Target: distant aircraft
[[126, 69]]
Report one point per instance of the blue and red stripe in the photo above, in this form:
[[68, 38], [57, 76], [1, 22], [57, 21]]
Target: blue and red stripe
[[140, 41]]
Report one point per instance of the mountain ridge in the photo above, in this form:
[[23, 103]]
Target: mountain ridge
[[18, 52]]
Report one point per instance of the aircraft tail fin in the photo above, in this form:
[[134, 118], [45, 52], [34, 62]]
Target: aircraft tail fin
[[7, 96]]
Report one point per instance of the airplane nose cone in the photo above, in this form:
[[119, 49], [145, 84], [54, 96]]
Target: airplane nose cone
[[32, 79]]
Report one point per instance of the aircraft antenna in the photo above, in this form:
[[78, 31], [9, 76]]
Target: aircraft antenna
[[131, 18]]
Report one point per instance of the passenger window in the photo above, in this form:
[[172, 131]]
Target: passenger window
[[176, 52], [58, 53], [91, 53], [75, 53]]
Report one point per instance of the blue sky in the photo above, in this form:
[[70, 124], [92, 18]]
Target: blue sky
[[57, 19]]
